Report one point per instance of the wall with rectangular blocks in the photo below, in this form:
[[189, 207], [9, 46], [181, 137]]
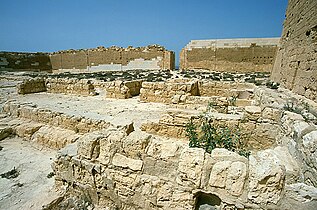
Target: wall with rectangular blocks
[[296, 63]]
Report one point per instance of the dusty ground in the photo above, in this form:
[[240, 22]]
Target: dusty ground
[[115, 111], [31, 188]]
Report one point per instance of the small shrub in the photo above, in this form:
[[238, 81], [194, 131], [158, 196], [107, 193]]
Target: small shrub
[[272, 85], [10, 174], [291, 107], [210, 137], [50, 175]]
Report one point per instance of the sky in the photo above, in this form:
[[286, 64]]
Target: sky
[[52, 25]]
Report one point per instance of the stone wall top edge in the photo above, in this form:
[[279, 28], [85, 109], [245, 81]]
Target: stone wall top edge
[[154, 47], [231, 43]]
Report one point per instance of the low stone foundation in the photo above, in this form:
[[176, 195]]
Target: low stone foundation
[[31, 86], [70, 86], [75, 123], [122, 89], [167, 92]]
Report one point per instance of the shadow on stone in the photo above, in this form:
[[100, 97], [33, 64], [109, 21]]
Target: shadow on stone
[[207, 201]]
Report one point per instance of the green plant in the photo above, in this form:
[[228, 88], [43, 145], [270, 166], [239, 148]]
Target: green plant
[[210, 137], [191, 133], [272, 85], [291, 107], [50, 175], [210, 105], [10, 174]]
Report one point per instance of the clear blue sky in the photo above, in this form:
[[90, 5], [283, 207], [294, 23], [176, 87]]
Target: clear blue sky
[[51, 25]]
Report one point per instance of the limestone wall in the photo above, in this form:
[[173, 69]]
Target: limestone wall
[[70, 86], [152, 57], [295, 67], [25, 61], [31, 86], [177, 90], [122, 89], [139, 171], [259, 129], [51, 118], [225, 89], [230, 55], [166, 92]]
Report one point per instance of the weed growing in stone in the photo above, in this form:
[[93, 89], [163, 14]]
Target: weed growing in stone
[[209, 137]]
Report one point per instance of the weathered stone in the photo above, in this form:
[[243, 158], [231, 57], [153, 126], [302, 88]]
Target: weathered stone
[[266, 178], [53, 137], [190, 166], [219, 173], [252, 112], [301, 192], [124, 162], [26, 130], [110, 145], [88, 145], [272, 114], [236, 178], [135, 144], [164, 150]]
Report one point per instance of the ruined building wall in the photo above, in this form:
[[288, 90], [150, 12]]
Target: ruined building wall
[[230, 55], [295, 67], [114, 58], [24, 61]]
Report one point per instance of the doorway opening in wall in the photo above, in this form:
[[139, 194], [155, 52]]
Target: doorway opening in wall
[[207, 201]]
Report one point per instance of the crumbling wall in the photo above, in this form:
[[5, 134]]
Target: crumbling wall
[[138, 171], [70, 86], [226, 89], [74, 123], [167, 92], [114, 58], [31, 86], [25, 61], [259, 129], [295, 67], [122, 89], [230, 55]]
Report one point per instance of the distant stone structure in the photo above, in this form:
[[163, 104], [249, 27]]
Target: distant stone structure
[[152, 57], [230, 55], [295, 67], [25, 61]]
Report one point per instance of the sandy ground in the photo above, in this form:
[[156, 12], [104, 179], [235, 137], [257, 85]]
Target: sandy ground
[[32, 188], [116, 111]]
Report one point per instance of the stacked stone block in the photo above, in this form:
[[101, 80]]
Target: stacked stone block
[[70, 86], [295, 67], [230, 55], [167, 92], [31, 86]]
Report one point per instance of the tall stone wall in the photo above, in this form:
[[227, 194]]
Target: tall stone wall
[[295, 67], [114, 58], [24, 61], [230, 55]]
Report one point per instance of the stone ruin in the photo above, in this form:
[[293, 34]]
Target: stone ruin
[[120, 139], [230, 55], [151, 57]]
